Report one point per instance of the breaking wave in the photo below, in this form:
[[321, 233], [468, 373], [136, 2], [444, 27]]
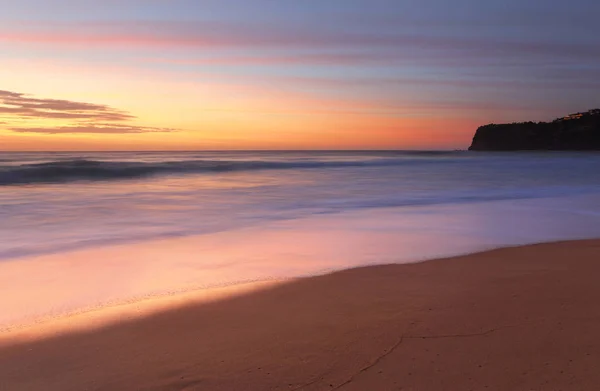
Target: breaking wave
[[93, 170]]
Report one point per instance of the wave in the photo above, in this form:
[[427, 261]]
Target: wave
[[93, 170], [174, 228]]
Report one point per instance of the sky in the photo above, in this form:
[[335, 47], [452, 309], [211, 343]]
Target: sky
[[283, 74]]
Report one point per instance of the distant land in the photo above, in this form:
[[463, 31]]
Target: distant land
[[575, 132]]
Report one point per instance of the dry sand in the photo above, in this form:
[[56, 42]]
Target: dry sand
[[512, 319]]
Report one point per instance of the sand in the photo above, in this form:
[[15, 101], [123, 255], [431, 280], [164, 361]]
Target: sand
[[522, 318]]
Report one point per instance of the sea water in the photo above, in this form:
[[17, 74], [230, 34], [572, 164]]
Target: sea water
[[82, 230]]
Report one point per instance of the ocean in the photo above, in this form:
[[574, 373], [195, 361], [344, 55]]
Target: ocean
[[191, 220]]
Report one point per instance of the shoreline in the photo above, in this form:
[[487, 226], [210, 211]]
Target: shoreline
[[517, 318], [106, 314], [111, 313], [50, 286]]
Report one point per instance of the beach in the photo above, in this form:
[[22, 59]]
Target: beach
[[299, 271], [522, 318], [363, 195]]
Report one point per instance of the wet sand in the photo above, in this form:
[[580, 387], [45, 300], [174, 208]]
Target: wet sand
[[523, 318]]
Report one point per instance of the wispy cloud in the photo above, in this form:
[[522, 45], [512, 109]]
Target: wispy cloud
[[98, 129], [20, 105], [164, 34], [88, 117]]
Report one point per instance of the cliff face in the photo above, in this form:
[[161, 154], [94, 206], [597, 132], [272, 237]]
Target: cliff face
[[576, 132]]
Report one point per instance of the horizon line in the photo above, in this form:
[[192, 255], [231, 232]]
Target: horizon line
[[240, 150]]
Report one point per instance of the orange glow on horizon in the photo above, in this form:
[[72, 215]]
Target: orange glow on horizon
[[216, 115]]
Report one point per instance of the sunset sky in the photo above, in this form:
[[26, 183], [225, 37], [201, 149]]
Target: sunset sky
[[282, 74]]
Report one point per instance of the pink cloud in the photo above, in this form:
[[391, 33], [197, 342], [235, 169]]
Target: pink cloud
[[20, 105], [98, 129], [96, 118], [224, 36]]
